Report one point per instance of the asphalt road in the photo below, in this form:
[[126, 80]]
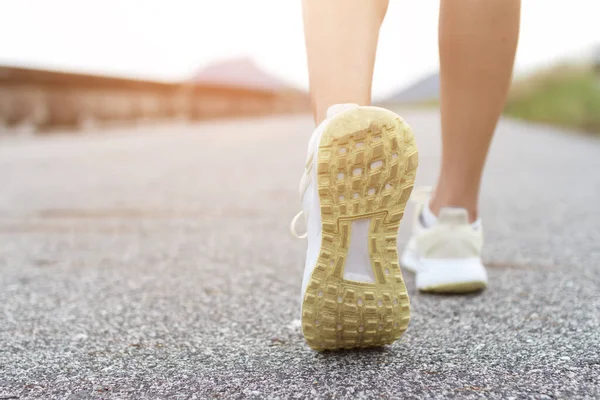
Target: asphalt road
[[155, 262]]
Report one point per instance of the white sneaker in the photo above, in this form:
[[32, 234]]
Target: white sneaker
[[358, 177], [446, 257]]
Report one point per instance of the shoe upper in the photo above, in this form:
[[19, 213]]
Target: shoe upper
[[451, 237], [310, 197]]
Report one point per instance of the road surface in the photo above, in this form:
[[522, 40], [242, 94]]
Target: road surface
[[155, 262]]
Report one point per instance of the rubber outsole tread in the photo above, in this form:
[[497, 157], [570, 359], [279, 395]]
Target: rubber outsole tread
[[366, 167], [456, 288]]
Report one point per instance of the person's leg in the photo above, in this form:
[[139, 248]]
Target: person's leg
[[341, 41], [360, 170], [477, 42]]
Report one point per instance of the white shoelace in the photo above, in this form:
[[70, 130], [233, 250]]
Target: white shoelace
[[293, 230], [419, 195]]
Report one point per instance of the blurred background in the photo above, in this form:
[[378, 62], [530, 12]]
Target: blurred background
[[68, 65]]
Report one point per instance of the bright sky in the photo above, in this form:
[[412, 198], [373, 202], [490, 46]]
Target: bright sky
[[169, 40]]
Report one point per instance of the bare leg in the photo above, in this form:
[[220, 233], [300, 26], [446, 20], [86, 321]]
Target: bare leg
[[477, 41], [341, 41]]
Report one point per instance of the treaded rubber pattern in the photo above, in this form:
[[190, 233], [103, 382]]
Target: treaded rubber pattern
[[366, 167]]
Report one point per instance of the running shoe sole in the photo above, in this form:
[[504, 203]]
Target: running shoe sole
[[451, 276], [366, 167]]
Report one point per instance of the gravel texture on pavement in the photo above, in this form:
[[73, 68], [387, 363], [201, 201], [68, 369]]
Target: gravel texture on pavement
[[155, 262]]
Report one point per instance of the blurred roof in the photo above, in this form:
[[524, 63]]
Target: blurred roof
[[242, 72], [11, 75]]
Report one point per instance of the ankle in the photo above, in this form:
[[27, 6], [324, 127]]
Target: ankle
[[441, 200]]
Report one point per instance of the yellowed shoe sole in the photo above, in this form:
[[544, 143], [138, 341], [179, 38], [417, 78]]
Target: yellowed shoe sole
[[456, 288], [366, 167]]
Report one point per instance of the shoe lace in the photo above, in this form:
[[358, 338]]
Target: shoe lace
[[419, 195], [293, 230]]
